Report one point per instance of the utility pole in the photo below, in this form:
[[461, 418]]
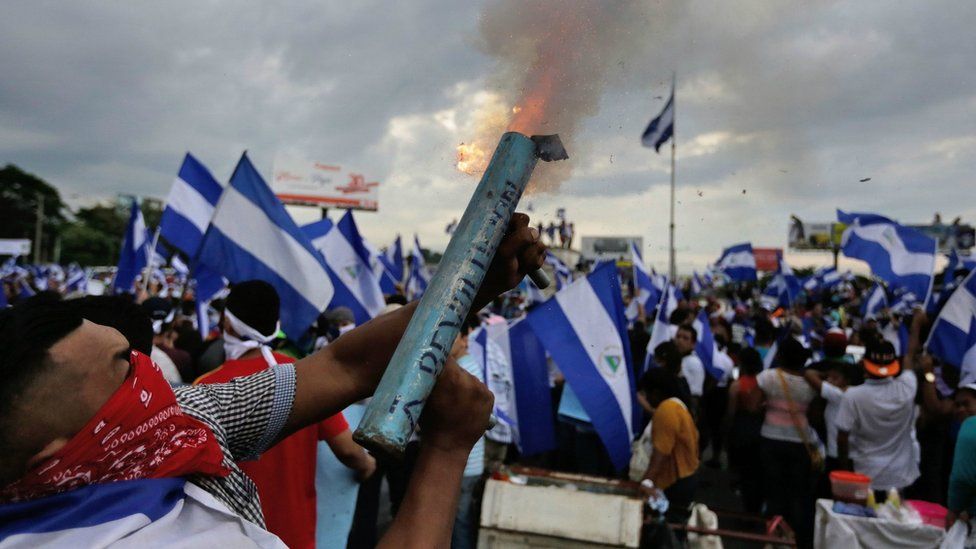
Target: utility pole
[[38, 227]]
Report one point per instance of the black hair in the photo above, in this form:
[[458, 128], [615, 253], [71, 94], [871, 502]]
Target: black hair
[[120, 313], [27, 333], [750, 362], [679, 316], [668, 354], [398, 299], [255, 303], [661, 380], [691, 330]]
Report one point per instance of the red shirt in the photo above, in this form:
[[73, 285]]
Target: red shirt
[[285, 473]]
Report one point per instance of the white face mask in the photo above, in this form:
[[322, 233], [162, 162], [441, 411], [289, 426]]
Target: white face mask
[[235, 347], [346, 328]]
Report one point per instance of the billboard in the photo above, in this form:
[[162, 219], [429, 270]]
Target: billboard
[[599, 248], [767, 259], [814, 235], [958, 235], [306, 183]]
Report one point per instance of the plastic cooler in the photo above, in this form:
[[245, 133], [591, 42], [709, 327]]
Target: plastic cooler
[[932, 514], [849, 486]]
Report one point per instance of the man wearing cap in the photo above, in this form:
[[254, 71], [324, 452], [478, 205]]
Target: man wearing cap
[[876, 421]]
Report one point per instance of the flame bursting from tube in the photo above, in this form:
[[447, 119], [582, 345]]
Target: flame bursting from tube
[[552, 66]]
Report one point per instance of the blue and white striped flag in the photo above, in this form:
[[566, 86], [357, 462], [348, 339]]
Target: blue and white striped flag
[[662, 330], [956, 263], [135, 251], [356, 285], [161, 512], [646, 293], [705, 347], [901, 256], [418, 278], [875, 301], [189, 206], [953, 335], [661, 128], [394, 260], [563, 274], [77, 278], [784, 287], [251, 236], [531, 412], [584, 330], [738, 263]]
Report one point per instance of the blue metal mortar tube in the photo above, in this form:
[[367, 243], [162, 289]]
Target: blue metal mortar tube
[[392, 414]]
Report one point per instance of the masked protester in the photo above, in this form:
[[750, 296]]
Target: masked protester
[[96, 444], [250, 323]]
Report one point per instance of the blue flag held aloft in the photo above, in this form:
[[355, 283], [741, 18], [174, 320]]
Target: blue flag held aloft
[[738, 263], [251, 237], [189, 206], [584, 329], [135, 251], [661, 128], [953, 335]]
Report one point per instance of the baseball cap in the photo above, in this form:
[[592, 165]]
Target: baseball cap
[[835, 342], [880, 359]]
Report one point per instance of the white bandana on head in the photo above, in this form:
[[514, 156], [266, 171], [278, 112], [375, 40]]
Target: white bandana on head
[[235, 347]]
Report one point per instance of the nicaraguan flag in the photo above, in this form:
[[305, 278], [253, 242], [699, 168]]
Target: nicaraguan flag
[[394, 260], [418, 278], [900, 256], [953, 335], [705, 347], [861, 218], [738, 263], [189, 206], [356, 286], [875, 301], [584, 330], [135, 251], [251, 236], [563, 274], [646, 293], [956, 263], [828, 277], [661, 330], [660, 129], [695, 286], [784, 287], [77, 279], [164, 512]]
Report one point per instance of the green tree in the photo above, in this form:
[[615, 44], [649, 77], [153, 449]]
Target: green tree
[[19, 194]]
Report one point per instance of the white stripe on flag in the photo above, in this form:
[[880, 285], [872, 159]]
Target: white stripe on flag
[[185, 200], [597, 333], [251, 229], [738, 259], [903, 262], [959, 309]]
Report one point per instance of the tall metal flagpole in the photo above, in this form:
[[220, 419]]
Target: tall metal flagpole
[[671, 263]]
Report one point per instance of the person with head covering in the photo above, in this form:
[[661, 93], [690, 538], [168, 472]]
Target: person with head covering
[[250, 324], [876, 421]]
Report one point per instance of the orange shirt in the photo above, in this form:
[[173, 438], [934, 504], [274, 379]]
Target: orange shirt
[[285, 473], [674, 434]]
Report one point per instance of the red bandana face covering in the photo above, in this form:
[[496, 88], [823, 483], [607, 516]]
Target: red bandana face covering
[[141, 432]]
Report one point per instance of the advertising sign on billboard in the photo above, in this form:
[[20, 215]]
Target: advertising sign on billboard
[[309, 183]]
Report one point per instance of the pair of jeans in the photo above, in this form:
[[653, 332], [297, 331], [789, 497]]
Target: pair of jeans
[[789, 486], [464, 535]]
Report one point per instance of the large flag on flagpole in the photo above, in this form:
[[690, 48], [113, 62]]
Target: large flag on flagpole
[[661, 128], [874, 302], [190, 206], [135, 251], [418, 277], [584, 329], [252, 236]]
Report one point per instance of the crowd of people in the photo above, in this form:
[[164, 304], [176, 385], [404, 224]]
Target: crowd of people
[[792, 394]]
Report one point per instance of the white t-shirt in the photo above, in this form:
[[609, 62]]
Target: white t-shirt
[[694, 373], [780, 423], [722, 361], [834, 396], [880, 416]]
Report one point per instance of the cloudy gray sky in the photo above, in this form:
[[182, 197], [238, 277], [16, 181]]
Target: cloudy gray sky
[[780, 108]]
